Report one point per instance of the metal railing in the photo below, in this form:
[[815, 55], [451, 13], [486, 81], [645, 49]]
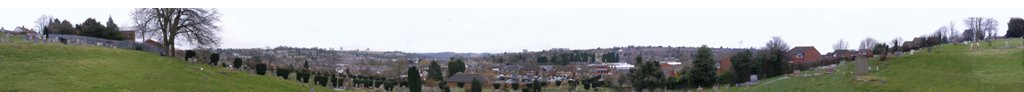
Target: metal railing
[[85, 40]]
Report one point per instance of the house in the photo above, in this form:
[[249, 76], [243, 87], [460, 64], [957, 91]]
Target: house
[[670, 68], [564, 71], [843, 54], [25, 31], [829, 57], [154, 43], [907, 45], [598, 69], [803, 54], [3, 30], [724, 62], [865, 53], [466, 79], [620, 67], [128, 35]]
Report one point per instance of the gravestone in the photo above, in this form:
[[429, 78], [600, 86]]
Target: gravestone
[[753, 78], [861, 66], [714, 88]]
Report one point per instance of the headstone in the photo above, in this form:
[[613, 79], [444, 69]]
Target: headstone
[[4, 39], [861, 65], [714, 89], [753, 78]]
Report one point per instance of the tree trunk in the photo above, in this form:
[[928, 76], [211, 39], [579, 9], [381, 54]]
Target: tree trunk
[[170, 44]]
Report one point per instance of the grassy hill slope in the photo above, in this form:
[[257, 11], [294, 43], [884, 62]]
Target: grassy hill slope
[[949, 68], [54, 67]]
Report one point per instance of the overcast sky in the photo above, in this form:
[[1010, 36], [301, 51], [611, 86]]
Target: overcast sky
[[512, 30]]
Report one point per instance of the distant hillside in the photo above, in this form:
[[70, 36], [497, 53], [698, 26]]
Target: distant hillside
[[27, 67], [451, 54]]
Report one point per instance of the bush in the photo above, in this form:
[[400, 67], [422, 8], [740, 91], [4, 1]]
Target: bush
[[586, 85], [302, 76], [367, 83], [238, 63], [475, 86], [727, 78], [189, 54], [415, 83], [515, 86], [214, 58], [63, 40], [496, 85], [377, 83], [442, 85], [283, 73], [336, 81], [321, 80], [261, 68], [389, 85]]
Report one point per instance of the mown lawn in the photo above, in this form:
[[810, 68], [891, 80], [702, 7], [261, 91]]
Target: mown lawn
[[948, 68], [27, 67]]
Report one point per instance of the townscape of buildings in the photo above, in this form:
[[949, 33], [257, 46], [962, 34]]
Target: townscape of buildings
[[509, 67]]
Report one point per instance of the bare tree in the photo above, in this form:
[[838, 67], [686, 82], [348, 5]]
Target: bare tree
[[983, 24], [777, 44], [195, 26], [841, 45], [868, 43], [952, 32], [42, 22], [941, 33]]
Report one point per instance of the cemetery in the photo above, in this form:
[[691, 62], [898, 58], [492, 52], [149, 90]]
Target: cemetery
[[39, 66], [102, 57], [948, 68]]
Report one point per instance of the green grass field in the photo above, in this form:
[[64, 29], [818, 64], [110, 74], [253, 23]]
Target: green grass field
[[549, 88], [28, 67], [949, 68]]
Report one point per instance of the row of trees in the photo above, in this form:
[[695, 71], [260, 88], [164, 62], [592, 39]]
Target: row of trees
[[566, 58], [766, 62], [457, 65], [196, 26], [303, 75], [434, 74], [610, 57], [90, 27]]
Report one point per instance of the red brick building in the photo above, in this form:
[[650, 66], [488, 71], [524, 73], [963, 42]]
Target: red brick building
[[128, 35], [843, 54], [724, 62], [803, 54]]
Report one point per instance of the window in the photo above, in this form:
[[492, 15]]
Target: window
[[718, 64]]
